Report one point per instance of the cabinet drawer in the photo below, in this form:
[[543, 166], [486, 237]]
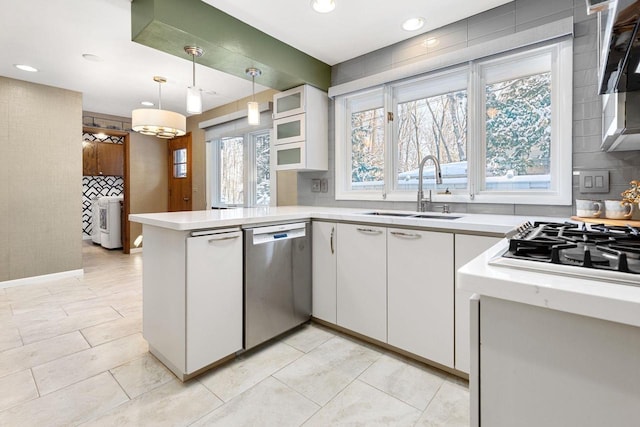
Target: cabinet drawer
[[289, 129]]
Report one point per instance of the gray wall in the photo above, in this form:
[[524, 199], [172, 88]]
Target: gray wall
[[40, 179], [501, 21]]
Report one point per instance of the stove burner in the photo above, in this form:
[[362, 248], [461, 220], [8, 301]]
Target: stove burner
[[584, 257], [610, 249]]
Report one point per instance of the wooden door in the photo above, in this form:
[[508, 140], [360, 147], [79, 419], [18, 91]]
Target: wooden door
[[180, 173], [89, 160]]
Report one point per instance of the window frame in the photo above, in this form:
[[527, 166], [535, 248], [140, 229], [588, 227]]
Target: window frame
[[561, 52], [249, 169]]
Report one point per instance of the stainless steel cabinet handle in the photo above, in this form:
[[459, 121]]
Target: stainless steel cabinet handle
[[186, 199], [332, 230], [223, 238], [406, 235], [369, 230]]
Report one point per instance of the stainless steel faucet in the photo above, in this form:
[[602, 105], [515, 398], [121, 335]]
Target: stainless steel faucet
[[422, 202]]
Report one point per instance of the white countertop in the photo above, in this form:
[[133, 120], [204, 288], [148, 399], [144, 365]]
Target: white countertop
[[594, 298], [197, 220]]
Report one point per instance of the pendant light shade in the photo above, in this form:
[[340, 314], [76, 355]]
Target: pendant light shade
[[158, 122], [253, 111], [194, 95]]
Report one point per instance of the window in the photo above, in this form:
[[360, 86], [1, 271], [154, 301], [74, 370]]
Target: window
[[241, 170], [500, 128]]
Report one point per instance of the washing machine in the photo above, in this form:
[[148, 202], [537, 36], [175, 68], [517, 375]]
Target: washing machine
[[110, 218], [95, 221]]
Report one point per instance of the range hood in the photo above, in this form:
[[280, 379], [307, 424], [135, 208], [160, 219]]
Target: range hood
[[619, 73]]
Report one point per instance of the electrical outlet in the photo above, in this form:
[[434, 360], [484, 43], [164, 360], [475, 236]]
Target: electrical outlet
[[324, 185], [594, 181], [315, 185]]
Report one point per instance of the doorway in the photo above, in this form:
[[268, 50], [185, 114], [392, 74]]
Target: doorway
[[180, 176]]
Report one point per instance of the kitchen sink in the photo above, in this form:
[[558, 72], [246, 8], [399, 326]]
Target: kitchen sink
[[412, 215], [432, 216], [404, 215]]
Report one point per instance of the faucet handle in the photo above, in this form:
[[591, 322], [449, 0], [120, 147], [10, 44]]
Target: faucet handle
[[445, 208]]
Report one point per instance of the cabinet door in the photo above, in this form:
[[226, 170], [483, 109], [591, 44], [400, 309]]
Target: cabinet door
[[213, 298], [89, 159], [110, 159], [289, 102], [420, 288], [362, 280], [324, 270], [467, 248], [289, 129]]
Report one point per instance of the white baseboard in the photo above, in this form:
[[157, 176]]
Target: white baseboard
[[86, 237], [39, 279], [135, 250]]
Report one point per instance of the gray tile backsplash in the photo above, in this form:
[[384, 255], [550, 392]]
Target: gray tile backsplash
[[498, 22]]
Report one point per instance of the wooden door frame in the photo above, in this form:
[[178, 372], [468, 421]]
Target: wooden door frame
[[126, 246]]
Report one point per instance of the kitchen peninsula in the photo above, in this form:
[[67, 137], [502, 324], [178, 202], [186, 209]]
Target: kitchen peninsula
[[193, 286]]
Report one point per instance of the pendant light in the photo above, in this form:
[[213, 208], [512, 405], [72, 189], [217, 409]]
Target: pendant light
[[253, 111], [158, 122], [194, 97]]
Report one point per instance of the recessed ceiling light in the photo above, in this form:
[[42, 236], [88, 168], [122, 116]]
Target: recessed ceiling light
[[24, 67], [147, 103], [91, 57], [413, 24], [323, 6]]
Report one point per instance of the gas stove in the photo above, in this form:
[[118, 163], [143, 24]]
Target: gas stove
[[597, 251]]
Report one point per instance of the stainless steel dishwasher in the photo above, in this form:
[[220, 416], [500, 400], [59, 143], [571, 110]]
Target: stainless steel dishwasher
[[277, 280]]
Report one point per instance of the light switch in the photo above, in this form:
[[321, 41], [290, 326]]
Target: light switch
[[594, 181]]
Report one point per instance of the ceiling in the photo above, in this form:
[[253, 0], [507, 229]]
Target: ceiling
[[53, 35]]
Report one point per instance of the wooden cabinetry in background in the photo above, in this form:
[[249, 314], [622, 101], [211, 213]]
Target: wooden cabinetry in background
[[102, 158]]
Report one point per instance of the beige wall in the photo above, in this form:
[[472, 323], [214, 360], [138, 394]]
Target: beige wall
[[287, 180], [40, 179], [149, 181]]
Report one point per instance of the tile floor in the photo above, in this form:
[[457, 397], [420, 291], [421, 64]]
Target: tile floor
[[72, 353]]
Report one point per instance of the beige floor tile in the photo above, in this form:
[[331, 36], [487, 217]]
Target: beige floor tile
[[405, 380], [17, 388], [114, 329], [308, 337], [76, 367], [68, 406], [37, 332], [43, 314], [449, 407], [269, 403], [26, 292], [141, 375], [362, 405], [60, 298], [239, 375], [35, 354], [173, 404], [9, 338], [326, 370]]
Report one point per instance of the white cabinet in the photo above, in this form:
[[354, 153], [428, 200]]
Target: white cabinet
[[214, 298], [324, 270], [362, 280], [192, 297], [300, 129], [420, 293], [467, 248]]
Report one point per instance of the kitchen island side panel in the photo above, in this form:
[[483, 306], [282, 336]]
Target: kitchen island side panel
[[163, 291], [543, 367]]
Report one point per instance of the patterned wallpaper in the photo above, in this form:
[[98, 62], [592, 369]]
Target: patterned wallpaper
[[96, 186]]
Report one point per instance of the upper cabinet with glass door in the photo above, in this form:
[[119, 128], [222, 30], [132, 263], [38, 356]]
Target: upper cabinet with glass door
[[289, 103], [300, 129]]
